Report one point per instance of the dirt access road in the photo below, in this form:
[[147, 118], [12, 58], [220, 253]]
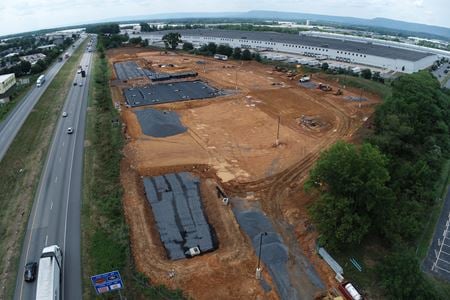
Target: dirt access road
[[231, 141]]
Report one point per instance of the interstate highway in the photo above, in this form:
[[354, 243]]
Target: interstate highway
[[12, 124], [55, 216]]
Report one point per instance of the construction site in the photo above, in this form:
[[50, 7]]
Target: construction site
[[214, 163]]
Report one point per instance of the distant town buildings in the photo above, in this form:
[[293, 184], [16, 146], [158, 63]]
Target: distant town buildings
[[7, 81], [33, 58]]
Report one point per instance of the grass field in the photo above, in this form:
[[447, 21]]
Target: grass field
[[20, 171], [378, 88]]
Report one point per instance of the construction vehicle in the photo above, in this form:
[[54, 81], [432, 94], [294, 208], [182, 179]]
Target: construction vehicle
[[349, 291], [324, 87], [305, 78]]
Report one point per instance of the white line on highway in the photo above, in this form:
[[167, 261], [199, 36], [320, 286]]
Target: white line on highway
[[51, 205], [63, 144], [46, 240], [60, 158], [56, 179]]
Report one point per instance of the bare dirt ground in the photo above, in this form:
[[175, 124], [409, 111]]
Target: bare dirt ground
[[231, 140]]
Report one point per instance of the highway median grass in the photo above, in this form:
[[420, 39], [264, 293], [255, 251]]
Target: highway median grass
[[105, 237], [20, 171]]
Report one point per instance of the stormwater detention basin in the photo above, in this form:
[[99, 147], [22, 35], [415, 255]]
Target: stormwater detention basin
[[159, 123], [274, 253], [178, 211], [169, 92]]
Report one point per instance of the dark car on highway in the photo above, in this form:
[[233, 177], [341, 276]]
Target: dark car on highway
[[30, 272]]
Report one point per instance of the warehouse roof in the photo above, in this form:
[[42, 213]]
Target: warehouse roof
[[6, 76], [306, 40]]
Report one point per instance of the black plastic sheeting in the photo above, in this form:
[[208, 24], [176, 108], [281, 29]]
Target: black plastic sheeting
[[274, 253], [169, 92], [178, 211], [128, 70], [159, 123]]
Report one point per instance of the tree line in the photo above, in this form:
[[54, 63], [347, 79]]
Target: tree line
[[386, 187]]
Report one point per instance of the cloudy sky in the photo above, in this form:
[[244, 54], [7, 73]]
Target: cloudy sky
[[26, 15]]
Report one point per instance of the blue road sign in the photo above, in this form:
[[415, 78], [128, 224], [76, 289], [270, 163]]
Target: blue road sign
[[107, 282]]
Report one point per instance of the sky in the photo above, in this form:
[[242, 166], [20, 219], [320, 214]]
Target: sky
[[28, 15]]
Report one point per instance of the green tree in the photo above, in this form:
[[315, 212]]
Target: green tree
[[400, 277], [187, 46], [246, 55], [212, 48], [171, 40], [25, 67], [135, 40], [258, 57], [36, 69], [237, 53], [325, 66], [354, 197], [366, 73], [225, 50], [145, 27]]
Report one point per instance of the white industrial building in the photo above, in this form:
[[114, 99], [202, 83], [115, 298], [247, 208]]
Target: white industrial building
[[363, 53], [7, 81]]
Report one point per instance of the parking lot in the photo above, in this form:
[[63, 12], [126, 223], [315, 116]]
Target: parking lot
[[169, 92], [441, 76], [437, 261]]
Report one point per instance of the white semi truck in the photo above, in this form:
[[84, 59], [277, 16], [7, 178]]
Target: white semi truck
[[49, 274], [40, 81]]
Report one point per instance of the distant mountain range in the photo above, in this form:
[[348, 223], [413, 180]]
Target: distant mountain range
[[286, 16]]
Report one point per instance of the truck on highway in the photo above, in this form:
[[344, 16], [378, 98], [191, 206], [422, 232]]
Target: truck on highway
[[49, 274], [40, 81]]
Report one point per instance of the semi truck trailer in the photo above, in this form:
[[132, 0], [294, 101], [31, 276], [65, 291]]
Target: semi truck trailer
[[49, 274], [40, 81]]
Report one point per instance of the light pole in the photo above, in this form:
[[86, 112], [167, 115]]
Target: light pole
[[258, 268]]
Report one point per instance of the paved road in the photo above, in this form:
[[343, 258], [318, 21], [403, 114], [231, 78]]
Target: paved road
[[440, 245], [441, 75], [55, 216], [12, 124]]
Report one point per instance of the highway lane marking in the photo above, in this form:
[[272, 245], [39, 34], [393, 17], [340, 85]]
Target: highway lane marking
[[46, 240], [51, 205], [63, 144], [56, 179], [60, 158]]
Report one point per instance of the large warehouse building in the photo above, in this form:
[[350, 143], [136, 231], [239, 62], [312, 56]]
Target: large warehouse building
[[370, 54]]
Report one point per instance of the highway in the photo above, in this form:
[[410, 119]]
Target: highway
[[12, 124], [55, 216]]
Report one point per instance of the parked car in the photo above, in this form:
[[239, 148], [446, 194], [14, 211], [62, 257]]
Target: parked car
[[30, 271]]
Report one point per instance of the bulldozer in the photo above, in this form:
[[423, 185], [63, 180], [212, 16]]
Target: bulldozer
[[324, 87], [338, 92]]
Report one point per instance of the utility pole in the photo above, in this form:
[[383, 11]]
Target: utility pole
[[277, 141], [258, 268]]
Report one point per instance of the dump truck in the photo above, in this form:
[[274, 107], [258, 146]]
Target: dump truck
[[49, 275]]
